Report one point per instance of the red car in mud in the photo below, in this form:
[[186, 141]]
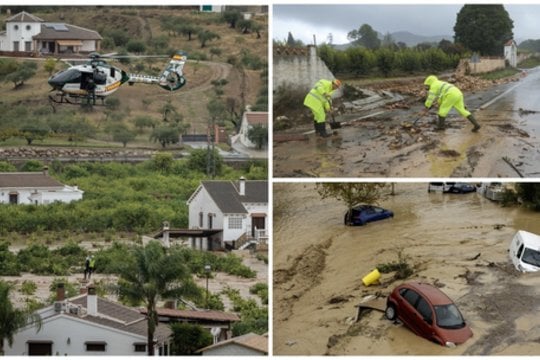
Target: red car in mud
[[428, 312]]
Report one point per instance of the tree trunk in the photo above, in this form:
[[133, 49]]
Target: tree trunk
[[151, 329]]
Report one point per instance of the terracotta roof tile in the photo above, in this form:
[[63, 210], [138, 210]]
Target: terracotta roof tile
[[257, 118]]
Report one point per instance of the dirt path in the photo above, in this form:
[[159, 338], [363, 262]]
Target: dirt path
[[458, 242], [387, 142]]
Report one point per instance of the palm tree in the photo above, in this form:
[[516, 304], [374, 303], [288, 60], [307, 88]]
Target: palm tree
[[12, 319], [155, 273]]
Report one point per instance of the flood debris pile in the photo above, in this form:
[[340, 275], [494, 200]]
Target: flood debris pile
[[370, 99]]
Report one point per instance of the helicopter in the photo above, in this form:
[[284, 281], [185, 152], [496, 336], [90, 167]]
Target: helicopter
[[97, 79]]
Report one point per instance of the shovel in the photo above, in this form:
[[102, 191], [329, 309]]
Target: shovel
[[334, 124]]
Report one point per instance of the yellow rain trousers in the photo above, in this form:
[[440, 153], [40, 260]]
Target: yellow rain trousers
[[318, 99], [448, 96]]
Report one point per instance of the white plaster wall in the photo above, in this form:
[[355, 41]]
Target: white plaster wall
[[59, 329], [68, 194], [232, 350], [88, 45], [233, 234], [21, 34], [202, 202]]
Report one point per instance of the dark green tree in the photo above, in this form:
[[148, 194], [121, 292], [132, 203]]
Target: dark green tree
[[529, 193], [33, 131], [232, 17], [24, 71], [198, 160], [258, 135], [165, 135], [204, 36], [154, 273], [483, 28], [365, 36], [123, 135], [352, 193], [136, 46], [188, 338]]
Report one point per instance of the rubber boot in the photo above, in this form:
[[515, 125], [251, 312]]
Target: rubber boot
[[321, 130], [474, 122], [440, 123]]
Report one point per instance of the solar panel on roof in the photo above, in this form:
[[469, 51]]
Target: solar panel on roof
[[57, 26]]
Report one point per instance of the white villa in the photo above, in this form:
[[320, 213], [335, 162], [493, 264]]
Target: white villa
[[35, 188], [28, 33]]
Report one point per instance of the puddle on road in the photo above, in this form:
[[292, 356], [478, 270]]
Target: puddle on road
[[459, 242]]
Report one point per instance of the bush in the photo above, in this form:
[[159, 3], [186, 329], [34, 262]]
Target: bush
[[9, 265], [28, 287], [261, 290], [188, 338]]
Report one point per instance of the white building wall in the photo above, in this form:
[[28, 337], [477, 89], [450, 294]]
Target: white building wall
[[233, 234], [43, 196], [257, 208], [88, 45], [202, 202], [244, 129], [60, 329], [24, 33], [232, 350]]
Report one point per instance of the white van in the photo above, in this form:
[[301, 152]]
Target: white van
[[525, 251]]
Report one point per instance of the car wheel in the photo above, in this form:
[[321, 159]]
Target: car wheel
[[390, 312]]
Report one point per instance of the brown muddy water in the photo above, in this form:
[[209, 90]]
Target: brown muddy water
[[458, 242]]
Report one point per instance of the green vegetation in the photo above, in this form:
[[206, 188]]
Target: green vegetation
[[499, 74], [28, 287], [483, 28], [150, 274], [121, 197], [402, 268], [188, 338], [12, 319], [254, 318], [530, 63], [386, 61], [261, 290]]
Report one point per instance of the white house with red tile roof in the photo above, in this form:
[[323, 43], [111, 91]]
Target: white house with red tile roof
[[35, 188], [88, 325], [251, 119]]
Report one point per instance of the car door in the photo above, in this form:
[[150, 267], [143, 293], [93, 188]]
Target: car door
[[407, 311], [424, 318]]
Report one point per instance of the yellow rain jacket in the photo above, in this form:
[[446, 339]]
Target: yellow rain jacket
[[318, 99], [447, 96]]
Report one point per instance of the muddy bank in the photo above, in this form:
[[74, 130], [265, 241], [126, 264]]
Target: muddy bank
[[393, 141], [457, 242]]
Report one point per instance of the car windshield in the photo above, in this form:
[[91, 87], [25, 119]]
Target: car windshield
[[531, 257], [449, 317]]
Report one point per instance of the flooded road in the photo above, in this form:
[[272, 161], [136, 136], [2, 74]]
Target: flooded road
[[391, 144], [458, 242]]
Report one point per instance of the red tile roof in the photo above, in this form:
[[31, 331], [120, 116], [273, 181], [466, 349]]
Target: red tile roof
[[251, 340], [257, 118]]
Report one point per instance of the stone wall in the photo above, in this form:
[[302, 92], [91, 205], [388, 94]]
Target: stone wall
[[485, 65], [298, 67]]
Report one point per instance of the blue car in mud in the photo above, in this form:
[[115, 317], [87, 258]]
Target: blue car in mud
[[362, 214]]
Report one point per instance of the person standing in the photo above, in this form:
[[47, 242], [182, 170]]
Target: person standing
[[87, 267], [319, 100], [448, 96], [92, 266]]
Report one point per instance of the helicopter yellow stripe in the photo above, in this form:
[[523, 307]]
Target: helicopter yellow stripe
[[178, 57], [113, 86]]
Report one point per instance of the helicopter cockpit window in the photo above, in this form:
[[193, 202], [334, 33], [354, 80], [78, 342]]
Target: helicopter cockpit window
[[70, 76], [100, 78]]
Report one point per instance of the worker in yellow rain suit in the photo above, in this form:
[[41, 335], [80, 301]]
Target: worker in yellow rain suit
[[447, 96], [319, 101]]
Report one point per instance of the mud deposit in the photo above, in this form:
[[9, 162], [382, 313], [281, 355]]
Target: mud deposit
[[394, 142], [456, 242]]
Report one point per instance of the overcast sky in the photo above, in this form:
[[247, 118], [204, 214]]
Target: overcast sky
[[306, 20]]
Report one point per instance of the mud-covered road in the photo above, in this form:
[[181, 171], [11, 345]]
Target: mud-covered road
[[457, 242], [387, 144]]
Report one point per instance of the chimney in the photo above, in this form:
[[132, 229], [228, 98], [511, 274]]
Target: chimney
[[242, 186], [91, 301], [46, 170], [60, 292], [83, 290], [166, 235]]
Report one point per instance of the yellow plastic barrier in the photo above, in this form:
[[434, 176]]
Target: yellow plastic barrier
[[371, 278]]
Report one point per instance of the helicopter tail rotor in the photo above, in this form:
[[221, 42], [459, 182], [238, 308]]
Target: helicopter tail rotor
[[172, 78]]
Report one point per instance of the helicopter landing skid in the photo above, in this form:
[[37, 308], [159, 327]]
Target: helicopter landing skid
[[60, 98]]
